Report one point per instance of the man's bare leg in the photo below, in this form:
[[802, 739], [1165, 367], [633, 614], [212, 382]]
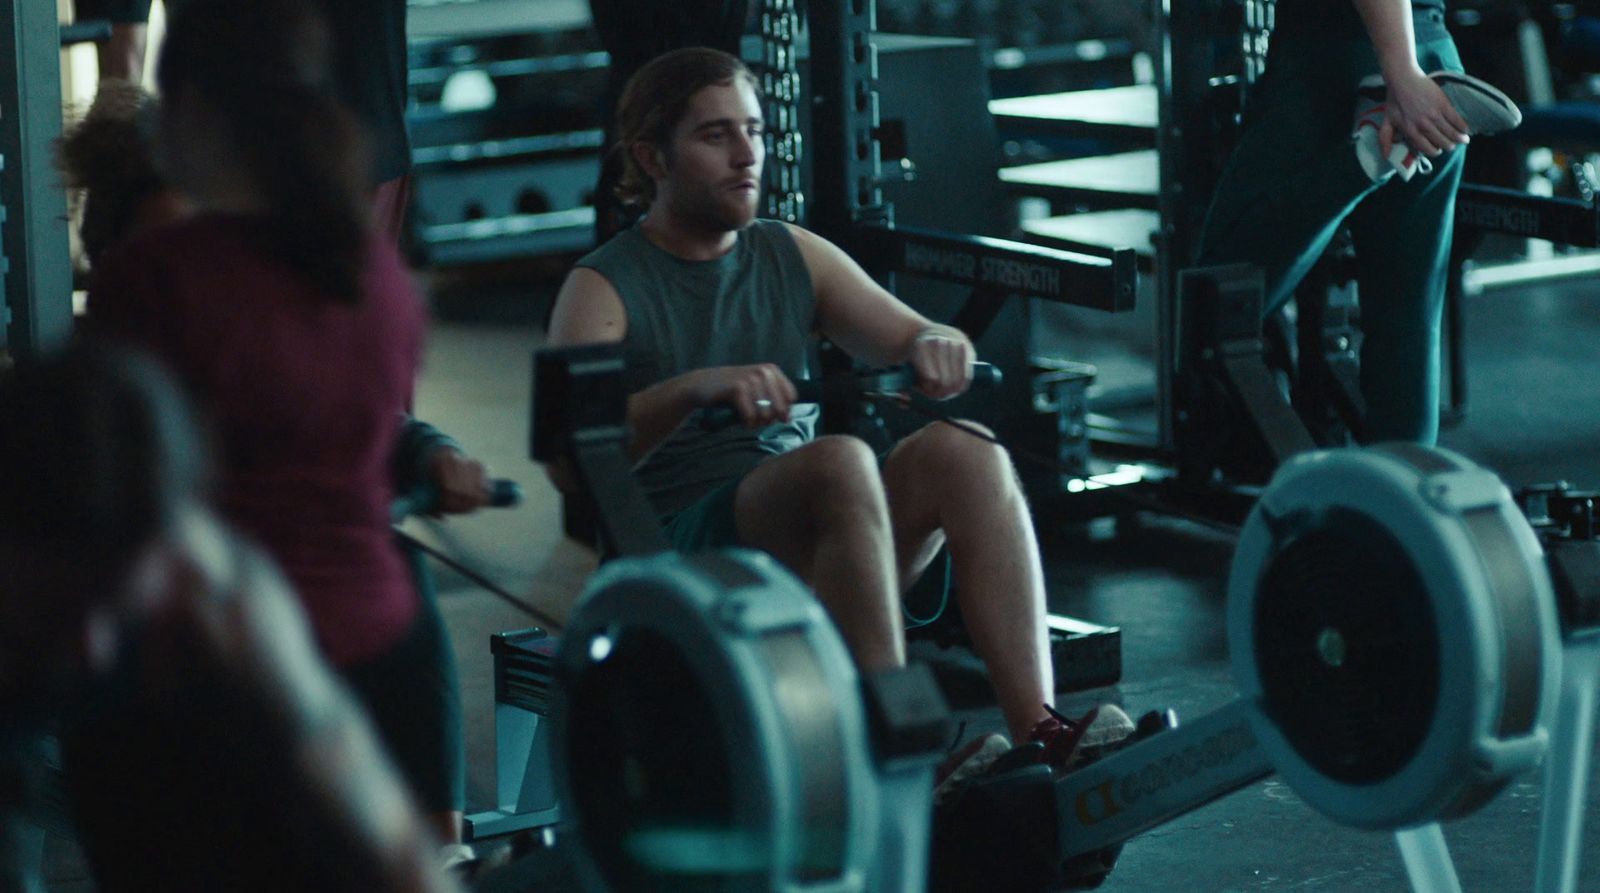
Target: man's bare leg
[[943, 484], [820, 510]]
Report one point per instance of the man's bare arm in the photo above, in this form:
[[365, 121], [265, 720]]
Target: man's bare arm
[[588, 310], [878, 328]]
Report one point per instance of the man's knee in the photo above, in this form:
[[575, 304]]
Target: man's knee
[[938, 450], [833, 478], [838, 472]]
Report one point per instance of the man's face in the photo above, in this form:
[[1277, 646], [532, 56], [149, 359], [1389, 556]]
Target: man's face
[[712, 177]]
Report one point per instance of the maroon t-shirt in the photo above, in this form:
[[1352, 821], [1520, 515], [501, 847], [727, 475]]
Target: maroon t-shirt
[[304, 395]]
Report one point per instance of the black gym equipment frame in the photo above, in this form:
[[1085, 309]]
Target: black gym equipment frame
[[1222, 420], [578, 422], [1203, 86], [1215, 392], [1481, 210], [579, 417], [853, 213]]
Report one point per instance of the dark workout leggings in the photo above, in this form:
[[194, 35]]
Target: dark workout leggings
[[413, 696]]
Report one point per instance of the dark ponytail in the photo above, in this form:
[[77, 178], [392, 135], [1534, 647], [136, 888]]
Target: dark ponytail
[[264, 68]]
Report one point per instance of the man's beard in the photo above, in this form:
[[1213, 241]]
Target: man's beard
[[707, 214]]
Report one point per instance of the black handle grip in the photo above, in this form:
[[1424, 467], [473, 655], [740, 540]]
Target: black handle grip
[[986, 375], [423, 499], [86, 31], [504, 493], [894, 379], [719, 416]]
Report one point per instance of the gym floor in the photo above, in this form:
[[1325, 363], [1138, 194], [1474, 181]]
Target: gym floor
[[1532, 418]]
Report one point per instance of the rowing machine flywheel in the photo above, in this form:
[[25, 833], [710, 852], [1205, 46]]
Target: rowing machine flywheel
[[706, 733], [1391, 619]]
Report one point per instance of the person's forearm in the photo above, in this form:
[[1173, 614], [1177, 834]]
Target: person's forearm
[[418, 440], [339, 780], [122, 57], [1388, 24], [927, 331]]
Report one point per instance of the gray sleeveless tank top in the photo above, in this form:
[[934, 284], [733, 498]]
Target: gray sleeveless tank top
[[752, 305]]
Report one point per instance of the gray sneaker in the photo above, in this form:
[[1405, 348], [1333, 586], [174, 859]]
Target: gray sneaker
[[1372, 96], [1484, 107]]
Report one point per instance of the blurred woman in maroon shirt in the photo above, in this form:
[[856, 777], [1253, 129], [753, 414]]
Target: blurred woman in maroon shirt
[[297, 332]]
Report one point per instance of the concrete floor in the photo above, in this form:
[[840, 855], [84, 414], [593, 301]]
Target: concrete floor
[[1533, 417]]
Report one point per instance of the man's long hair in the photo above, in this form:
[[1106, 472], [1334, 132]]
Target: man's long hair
[[654, 102]]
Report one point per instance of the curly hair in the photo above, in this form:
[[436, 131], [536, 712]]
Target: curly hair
[[108, 160], [654, 102]]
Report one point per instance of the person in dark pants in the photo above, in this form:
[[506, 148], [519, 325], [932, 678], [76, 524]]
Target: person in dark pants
[[1356, 121], [369, 70]]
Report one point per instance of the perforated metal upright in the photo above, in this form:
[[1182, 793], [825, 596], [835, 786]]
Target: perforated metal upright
[[34, 261], [847, 167], [781, 26]]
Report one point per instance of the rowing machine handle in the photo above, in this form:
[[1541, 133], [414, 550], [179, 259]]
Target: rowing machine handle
[[986, 375], [504, 493], [895, 379], [421, 499]]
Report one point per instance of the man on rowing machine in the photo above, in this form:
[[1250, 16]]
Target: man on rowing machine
[[712, 306]]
